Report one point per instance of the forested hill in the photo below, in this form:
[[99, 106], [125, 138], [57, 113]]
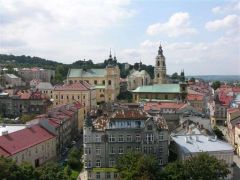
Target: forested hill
[[27, 61], [60, 68]]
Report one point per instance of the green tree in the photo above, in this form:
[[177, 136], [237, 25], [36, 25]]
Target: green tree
[[174, 171], [74, 159], [216, 85], [9, 169], [27, 171], [135, 166], [50, 171], [218, 132], [202, 166], [27, 117], [175, 76]]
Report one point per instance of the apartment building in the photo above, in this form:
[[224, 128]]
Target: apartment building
[[109, 135]]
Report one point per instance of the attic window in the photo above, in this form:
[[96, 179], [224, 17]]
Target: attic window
[[149, 127]]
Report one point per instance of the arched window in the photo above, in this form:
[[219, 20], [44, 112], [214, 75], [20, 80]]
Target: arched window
[[158, 63], [109, 82]]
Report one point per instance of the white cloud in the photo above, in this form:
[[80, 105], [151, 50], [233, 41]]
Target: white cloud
[[221, 56], [46, 29], [178, 24], [232, 6], [229, 22]]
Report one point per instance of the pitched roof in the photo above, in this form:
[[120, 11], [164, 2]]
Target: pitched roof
[[195, 97], [79, 86], [159, 88], [23, 139], [44, 86], [87, 73], [162, 105]]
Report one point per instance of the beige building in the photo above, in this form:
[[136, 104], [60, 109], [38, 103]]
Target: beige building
[[81, 92], [160, 69], [106, 81], [13, 81], [138, 78], [33, 144]]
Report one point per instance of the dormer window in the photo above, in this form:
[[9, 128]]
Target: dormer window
[[149, 127]]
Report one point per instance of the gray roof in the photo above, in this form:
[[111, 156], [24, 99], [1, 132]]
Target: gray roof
[[87, 73], [200, 143], [44, 86]]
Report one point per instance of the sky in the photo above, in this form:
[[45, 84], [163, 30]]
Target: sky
[[200, 36]]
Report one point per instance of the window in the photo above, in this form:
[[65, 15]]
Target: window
[[85, 138], [158, 75], [98, 151], [111, 138], [98, 163], [137, 124], [111, 163], [72, 96], [95, 82], [115, 175], [128, 124], [87, 150], [158, 63], [149, 127], [120, 138], [103, 82], [160, 136], [78, 97], [160, 162], [109, 82], [67, 96], [98, 175], [120, 150], [83, 96], [61, 96], [56, 96], [108, 175], [98, 138], [112, 150], [149, 138], [161, 148], [138, 138], [166, 96], [138, 149], [129, 138]]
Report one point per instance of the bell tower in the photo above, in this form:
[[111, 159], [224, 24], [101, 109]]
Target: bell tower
[[160, 68]]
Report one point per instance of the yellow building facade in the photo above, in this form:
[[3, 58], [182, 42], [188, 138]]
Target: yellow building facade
[[106, 81], [81, 92]]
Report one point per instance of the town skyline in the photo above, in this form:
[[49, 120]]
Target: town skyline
[[200, 42]]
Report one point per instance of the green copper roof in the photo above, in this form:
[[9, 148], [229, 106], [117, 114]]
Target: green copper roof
[[87, 73], [158, 88]]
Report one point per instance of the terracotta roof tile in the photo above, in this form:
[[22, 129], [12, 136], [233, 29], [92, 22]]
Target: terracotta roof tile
[[18, 141]]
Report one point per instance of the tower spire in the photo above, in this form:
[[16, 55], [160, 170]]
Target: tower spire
[[110, 54], [160, 51]]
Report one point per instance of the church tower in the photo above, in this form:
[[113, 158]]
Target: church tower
[[160, 68]]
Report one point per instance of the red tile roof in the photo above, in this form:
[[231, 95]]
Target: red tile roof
[[195, 97], [4, 153], [83, 86], [162, 105], [20, 140]]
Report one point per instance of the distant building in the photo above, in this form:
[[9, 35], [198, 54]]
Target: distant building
[[33, 144], [108, 136], [138, 78], [81, 92], [22, 102], [29, 74], [45, 88], [187, 146], [197, 101], [158, 92], [106, 81], [12, 80]]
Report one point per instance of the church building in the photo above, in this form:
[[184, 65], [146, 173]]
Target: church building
[[160, 90]]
